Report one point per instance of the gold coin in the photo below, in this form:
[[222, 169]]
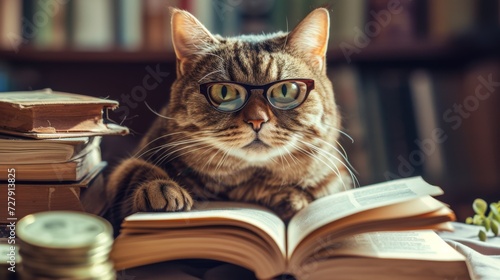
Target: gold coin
[[79, 272], [94, 256], [24, 274], [65, 230]]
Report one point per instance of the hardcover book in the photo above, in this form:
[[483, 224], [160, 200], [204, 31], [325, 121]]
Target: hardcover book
[[30, 151], [50, 112]]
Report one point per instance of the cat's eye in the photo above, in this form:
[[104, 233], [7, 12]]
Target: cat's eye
[[227, 97], [230, 97], [287, 95]]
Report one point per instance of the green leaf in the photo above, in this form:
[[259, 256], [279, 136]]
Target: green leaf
[[468, 220], [494, 210], [496, 218], [479, 206], [482, 235], [486, 224], [477, 220], [494, 226]]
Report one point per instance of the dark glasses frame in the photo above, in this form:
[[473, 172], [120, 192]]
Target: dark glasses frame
[[204, 89]]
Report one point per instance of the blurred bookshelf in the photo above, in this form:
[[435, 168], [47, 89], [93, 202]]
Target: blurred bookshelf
[[419, 52], [398, 68]]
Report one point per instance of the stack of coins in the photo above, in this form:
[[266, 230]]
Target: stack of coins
[[65, 245]]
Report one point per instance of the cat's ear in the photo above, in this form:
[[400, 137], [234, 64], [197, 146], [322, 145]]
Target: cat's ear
[[189, 36], [310, 37]]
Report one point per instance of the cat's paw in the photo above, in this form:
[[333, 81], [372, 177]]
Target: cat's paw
[[161, 195], [286, 204]]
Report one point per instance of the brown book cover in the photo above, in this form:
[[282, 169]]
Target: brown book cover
[[37, 197], [70, 171], [47, 111], [30, 151]]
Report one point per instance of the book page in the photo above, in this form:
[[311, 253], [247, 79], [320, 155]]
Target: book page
[[421, 245], [330, 208], [214, 214]]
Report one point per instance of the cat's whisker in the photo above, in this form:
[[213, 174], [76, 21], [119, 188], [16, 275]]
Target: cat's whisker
[[342, 153], [189, 151], [323, 152], [172, 145], [152, 151], [273, 160], [212, 54], [341, 132], [346, 162], [287, 33], [211, 158], [209, 150], [224, 158], [342, 148], [154, 140], [211, 73], [329, 156], [169, 146], [283, 157], [334, 169], [163, 159], [294, 158], [156, 113]]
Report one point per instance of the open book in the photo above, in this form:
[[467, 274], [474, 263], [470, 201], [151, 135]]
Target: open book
[[374, 231]]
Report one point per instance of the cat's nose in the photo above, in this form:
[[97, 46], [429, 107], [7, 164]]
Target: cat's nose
[[256, 113], [256, 124]]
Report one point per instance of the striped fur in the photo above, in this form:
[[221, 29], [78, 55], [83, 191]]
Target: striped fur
[[196, 153]]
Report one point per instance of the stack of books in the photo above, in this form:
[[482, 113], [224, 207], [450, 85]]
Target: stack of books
[[50, 156]]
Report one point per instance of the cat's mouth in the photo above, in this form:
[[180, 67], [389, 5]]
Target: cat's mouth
[[257, 144]]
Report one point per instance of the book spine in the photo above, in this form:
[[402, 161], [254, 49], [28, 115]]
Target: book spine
[[348, 96], [205, 12], [44, 36], [93, 24], [346, 18], [374, 126], [11, 36], [429, 131], [4, 77], [256, 17], [130, 24], [59, 38], [154, 15]]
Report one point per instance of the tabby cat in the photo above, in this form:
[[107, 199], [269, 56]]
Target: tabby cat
[[251, 119]]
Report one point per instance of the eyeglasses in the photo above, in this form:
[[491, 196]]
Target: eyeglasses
[[230, 97]]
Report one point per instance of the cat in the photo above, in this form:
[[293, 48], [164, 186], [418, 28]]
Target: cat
[[251, 118]]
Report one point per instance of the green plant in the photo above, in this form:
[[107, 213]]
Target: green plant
[[490, 221]]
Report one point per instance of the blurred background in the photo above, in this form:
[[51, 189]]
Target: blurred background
[[417, 82]]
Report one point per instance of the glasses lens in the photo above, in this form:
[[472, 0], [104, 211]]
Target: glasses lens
[[287, 94], [227, 97]]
